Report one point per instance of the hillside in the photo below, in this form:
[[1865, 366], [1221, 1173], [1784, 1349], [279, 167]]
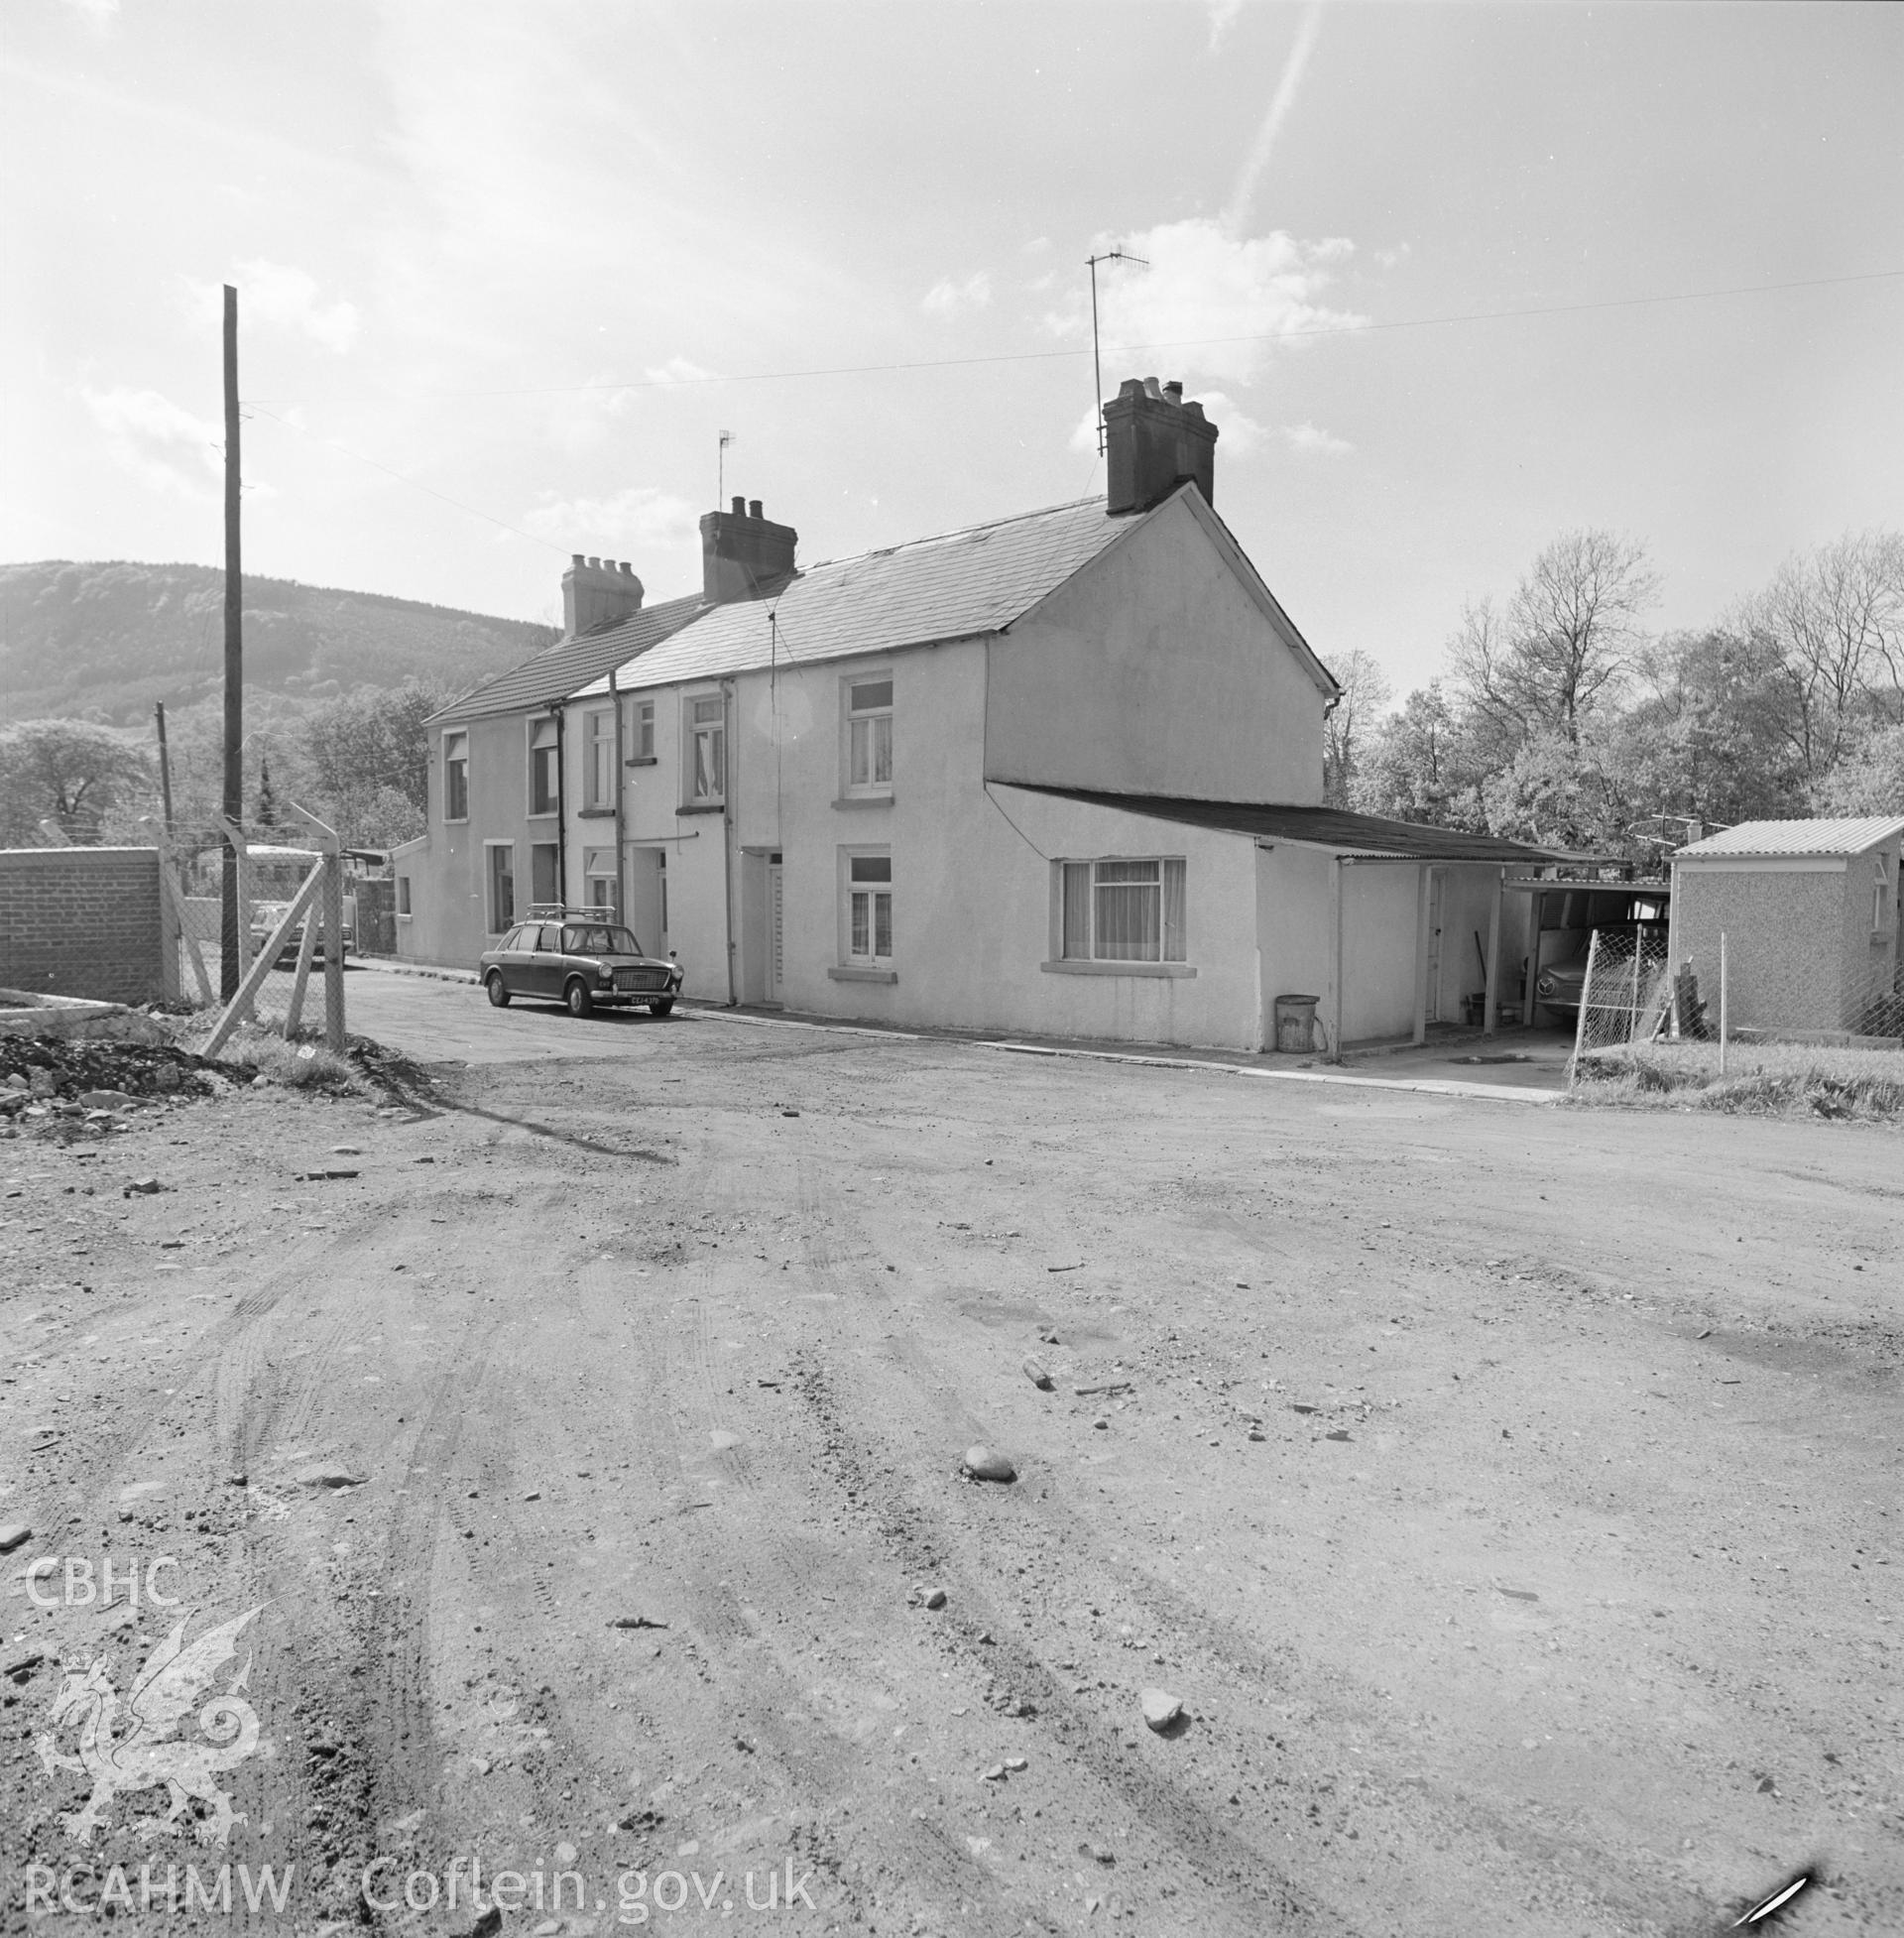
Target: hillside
[[108, 640]]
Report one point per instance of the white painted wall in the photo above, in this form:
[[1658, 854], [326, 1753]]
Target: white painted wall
[[1155, 672]]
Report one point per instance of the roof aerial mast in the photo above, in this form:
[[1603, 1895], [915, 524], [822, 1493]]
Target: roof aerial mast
[[1096, 370]]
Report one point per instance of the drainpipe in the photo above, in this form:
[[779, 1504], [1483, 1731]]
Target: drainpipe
[[729, 783], [562, 813], [620, 779]]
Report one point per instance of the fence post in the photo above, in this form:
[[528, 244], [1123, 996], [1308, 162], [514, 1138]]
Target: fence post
[[169, 923], [1724, 1019], [332, 898], [334, 950], [1580, 1016]]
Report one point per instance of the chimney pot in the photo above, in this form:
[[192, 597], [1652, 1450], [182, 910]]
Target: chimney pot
[[598, 592], [744, 553], [1153, 442]]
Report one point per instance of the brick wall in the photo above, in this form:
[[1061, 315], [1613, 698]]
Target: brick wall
[[81, 921]]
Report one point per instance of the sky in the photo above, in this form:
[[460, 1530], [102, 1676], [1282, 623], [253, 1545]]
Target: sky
[[1445, 277]]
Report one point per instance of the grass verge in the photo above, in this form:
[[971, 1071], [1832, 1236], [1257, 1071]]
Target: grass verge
[[1761, 1079]]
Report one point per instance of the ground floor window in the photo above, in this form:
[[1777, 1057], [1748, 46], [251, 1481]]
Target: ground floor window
[[868, 910], [1121, 911], [598, 877], [403, 894], [502, 884]]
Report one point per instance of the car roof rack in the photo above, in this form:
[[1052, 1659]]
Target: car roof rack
[[543, 911]]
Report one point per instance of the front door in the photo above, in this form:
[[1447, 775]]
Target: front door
[[776, 931]]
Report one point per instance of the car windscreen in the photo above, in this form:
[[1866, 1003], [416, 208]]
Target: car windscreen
[[598, 938]]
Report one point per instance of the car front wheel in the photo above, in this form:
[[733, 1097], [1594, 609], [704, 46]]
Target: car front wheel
[[579, 1001], [662, 1007], [498, 988]]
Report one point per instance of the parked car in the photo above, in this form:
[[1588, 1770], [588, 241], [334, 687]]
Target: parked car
[[581, 959], [265, 915], [1561, 984]]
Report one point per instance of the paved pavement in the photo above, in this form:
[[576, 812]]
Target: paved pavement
[[444, 1016]]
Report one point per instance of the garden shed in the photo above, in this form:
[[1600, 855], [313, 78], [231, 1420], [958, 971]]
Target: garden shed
[[1809, 912]]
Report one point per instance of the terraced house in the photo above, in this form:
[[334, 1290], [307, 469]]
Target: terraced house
[[1057, 773]]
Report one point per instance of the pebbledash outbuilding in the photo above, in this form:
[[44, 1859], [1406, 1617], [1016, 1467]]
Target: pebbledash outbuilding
[[1059, 773], [1810, 917]]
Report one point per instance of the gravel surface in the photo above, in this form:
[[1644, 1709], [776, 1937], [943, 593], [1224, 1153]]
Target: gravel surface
[[1440, 1519]]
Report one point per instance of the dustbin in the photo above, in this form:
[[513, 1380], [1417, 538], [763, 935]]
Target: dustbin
[[1296, 1023]]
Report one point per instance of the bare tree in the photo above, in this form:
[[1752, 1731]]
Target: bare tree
[[1365, 694], [1835, 618], [1558, 648]]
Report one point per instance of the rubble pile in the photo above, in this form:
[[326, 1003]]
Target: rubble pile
[[69, 1087]]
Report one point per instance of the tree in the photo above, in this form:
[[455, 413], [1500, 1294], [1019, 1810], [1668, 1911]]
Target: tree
[[371, 740], [1835, 617], [1708, 734], [1366, 693], [69, 773], [1420, 765], [1869, 779], [1558, 649]]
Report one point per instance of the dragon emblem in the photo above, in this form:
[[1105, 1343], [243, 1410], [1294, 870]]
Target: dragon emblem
[[136, 1746]]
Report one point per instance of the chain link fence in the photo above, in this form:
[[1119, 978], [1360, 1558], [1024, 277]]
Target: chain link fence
[[1630, 994], [291, 934]]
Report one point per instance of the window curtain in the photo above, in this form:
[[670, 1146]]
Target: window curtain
[[1173, 911], [1127, 911], [1076, 943]]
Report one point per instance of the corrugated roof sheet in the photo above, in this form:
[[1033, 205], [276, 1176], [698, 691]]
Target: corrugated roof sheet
[[560, 669], [1317, 827], [954, 587], [1819, 837]]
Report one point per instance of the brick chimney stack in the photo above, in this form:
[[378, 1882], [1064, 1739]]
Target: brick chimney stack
[[598, 592], [743, 552], [1154, 441]]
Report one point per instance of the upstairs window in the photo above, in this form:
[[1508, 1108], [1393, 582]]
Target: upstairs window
[[869, 737], [869, 880], [601, 758], [641, 730], [455, 777], [1122, 910], [545, 756], [707, 748]]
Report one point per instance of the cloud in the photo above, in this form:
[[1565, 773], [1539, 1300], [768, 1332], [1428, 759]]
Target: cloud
[[158, 441], [638, 520], [1312, 441], [1391, 257], [1224, 15], [678, 370], [277, 296], [946, 297], [1238, 434], [1037, 246], [1236, 210], [1216, 302]]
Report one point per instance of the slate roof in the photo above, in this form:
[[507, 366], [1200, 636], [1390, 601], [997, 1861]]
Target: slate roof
[[954, 587], [1772, 839], [1367, 836], [557, 670]]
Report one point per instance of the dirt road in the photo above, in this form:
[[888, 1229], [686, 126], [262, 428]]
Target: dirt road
[[1509, 1495]]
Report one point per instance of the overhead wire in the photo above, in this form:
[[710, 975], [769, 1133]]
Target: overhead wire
[[1357, 327]]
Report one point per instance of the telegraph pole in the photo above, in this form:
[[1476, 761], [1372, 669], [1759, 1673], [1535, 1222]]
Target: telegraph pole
[[231, 943]]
